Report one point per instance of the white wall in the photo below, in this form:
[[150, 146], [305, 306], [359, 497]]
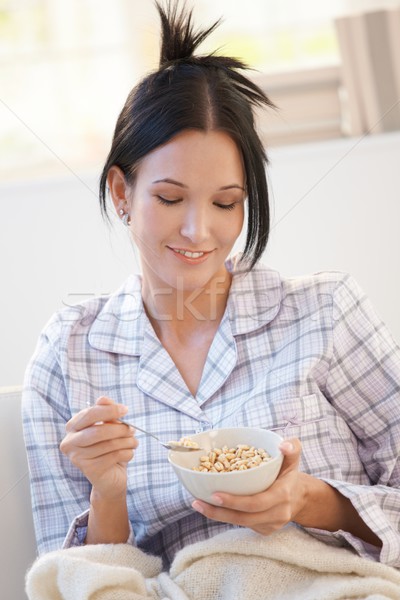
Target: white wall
[[336, 206]]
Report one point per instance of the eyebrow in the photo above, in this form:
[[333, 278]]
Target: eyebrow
[[182, 185]]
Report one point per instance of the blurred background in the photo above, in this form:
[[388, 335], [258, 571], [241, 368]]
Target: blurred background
[[333, 69]]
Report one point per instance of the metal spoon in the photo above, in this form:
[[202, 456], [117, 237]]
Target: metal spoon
[[176, 446]]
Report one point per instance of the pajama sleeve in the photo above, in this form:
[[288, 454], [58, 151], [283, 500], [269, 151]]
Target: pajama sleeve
[[60, 492], [363, 384]]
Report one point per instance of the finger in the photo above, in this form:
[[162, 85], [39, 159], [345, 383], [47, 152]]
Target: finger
[[215, 513], [95, 414], [291, 450], [103, 432], [80, 454], [226, 515], [105, 462], [104, 400], [250, 504], [96, 434]]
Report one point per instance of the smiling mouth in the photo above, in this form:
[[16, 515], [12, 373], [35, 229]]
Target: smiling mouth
[[189, 254]]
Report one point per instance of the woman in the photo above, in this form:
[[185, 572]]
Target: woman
[[202, 341]]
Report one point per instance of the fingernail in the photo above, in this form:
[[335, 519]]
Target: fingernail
[[197, 506], [122, 410], [217, 500], [286, 446]]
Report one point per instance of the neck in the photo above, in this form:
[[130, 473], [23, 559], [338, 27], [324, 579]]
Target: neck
[[185, 311]]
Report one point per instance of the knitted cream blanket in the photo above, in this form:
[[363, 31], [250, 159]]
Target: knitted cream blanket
[[235, 565]]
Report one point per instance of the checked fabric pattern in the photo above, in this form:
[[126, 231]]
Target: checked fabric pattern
[[307, 357]]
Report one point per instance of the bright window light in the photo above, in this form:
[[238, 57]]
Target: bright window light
[[68, 65]]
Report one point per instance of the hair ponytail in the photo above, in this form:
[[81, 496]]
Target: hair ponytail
[[179, 42], [178, 38]]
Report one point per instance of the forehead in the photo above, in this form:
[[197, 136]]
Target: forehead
[[195, 156]]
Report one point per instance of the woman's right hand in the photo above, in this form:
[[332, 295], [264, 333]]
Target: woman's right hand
[[101, 446]]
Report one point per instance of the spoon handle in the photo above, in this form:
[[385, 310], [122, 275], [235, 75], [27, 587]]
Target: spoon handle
[[169, 445], [144, 431]]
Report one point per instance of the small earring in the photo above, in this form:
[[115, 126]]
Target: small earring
[[126, 219]]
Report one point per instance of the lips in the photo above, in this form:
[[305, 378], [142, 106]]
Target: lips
[[190, 253], [191, 256]]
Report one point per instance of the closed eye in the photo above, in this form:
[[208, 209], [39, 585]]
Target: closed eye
[[167, 202], [226, 206]]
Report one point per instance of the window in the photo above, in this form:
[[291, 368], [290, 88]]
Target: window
[[68, 65]]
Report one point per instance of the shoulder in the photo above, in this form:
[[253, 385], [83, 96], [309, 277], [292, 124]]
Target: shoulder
[[263, 277], [336, 291], [78, 319], [327, 281], [263, 295], [335, 294]]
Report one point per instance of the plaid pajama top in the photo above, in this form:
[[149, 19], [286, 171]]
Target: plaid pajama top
[[307, 357]]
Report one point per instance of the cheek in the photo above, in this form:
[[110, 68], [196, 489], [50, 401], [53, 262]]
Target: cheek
[[149, 227], [234, 229]]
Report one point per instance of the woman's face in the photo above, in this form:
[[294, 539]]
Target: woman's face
[[187, 209]]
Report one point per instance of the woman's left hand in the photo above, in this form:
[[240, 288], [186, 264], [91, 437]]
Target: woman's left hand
[[270, 510]]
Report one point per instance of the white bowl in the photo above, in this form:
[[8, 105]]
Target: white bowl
[[203, 485]]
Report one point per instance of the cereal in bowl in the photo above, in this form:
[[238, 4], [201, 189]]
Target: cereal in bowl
[[225, 459]]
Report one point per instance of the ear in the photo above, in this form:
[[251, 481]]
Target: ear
[[119, 189]]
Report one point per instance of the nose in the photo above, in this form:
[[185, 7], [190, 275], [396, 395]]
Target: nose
[[196, 224]]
